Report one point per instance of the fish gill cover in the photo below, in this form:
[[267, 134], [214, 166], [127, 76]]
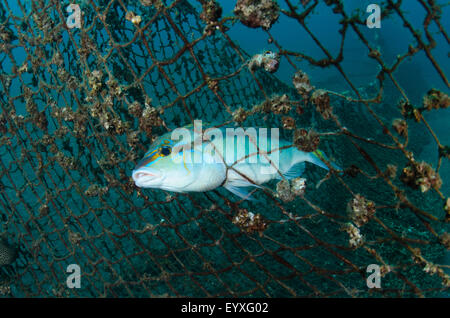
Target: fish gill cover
[[81, 104]]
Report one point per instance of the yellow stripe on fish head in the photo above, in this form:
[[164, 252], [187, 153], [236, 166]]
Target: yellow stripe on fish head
[[162, 150]]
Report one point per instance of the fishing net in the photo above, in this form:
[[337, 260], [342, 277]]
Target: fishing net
[[81, 105]]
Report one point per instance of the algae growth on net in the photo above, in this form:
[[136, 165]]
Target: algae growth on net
[[88, 88]]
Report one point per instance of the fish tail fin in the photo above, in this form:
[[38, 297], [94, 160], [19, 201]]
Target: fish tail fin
[[316, 157]]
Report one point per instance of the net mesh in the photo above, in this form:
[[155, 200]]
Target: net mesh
[[80, 106]]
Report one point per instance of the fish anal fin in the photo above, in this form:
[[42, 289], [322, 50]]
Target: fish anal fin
[[239, 188]]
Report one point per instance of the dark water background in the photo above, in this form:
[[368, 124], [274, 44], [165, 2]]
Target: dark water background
[[416, 76]]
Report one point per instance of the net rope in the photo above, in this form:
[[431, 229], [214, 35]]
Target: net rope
[[80, 106]]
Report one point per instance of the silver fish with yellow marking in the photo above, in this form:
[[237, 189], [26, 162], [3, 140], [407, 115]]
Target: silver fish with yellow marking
[[191, 160]]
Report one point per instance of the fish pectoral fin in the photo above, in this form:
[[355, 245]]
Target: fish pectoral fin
[[239, 188], [295, 171]]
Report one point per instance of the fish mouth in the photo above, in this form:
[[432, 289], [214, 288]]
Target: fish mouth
[[146, 177], [143, 174]]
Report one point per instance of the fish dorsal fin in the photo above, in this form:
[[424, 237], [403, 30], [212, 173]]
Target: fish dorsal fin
[[294, 171]]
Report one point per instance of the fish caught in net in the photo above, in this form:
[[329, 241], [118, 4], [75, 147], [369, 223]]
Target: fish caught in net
[[92, 90]]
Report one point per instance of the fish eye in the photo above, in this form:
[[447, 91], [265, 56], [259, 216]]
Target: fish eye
[[165, 150]]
